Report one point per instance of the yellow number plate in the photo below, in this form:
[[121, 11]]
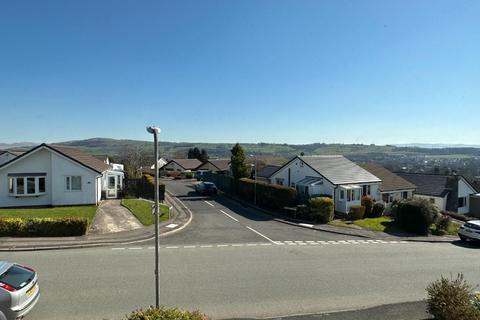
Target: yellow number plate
[[32, 290]]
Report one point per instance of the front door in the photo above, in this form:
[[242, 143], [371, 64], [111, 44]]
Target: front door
[[111, 187]]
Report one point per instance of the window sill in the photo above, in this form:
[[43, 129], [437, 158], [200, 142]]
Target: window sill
[[26, 195]]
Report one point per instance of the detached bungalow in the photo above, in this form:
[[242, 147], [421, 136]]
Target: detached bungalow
[[333, 176], [181, 165], [448, 193], [218, 165], [53, 175], [394, 187]]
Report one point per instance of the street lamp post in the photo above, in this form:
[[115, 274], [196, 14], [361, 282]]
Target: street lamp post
[[255, 178], [155, 131]]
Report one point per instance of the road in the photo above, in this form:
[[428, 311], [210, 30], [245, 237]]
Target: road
[[227, 270]]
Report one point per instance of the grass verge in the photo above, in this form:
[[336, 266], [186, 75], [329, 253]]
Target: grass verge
[[142, 209]]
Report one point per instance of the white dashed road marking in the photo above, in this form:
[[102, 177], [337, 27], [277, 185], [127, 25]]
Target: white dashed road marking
[[264, 236], [271, 243], [211, 205], [228, 215]]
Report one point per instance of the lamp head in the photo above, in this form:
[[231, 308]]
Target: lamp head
[[153, 130]]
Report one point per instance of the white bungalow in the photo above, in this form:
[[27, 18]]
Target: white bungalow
[[332, 176], [52, 175]]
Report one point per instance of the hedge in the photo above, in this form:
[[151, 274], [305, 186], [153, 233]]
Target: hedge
[[356, 212], [165, 314], [415, 215], [378, 209], [43, 227], [148, 191], [269, 196], [321, 209]]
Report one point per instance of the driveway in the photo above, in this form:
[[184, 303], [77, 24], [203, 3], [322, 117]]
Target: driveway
[[113, 217]]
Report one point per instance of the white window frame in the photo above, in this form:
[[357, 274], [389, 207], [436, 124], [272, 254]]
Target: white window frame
[[68, 183], [12, 186]]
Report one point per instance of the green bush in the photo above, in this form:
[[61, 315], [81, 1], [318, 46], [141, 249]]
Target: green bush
[[377, 210], [415, 215], [321, 209], [367, 202], [268, 195], [43, 227], [452, 299], [188, 175], [442, 225], [165, 314], [356, 212], [148, 188]]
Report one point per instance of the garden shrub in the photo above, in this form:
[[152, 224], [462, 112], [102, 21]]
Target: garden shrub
[[321, 209], [415, 215], [442, 225], [378, 210], [269, 196], [302, 212], [367, 202], [148, 188], [43, 227], [188, 175], [165, 314], [356, 212], [452, 299]]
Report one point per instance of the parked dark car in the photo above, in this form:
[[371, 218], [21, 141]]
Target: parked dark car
[[206, 188]]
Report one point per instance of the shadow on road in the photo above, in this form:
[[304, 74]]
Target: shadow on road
[[468, 245]]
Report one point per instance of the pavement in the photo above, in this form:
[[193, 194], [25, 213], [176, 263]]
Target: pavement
[[113, 217], [180, 218]]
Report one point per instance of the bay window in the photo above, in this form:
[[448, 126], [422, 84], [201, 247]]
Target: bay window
[[26, 184]]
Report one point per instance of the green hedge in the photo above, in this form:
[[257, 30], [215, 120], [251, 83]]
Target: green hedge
[[148, 191], [165, 314], [268, 195], [321, 209], [415, 215], [356, 212], [43, 227]]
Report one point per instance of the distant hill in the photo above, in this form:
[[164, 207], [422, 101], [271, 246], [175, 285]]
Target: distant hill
[[5, 146], [437, 145], [114, 147]]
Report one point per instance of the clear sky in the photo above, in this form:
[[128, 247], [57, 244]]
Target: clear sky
[[224, 71]]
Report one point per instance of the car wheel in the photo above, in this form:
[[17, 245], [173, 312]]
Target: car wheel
[[462, 238]]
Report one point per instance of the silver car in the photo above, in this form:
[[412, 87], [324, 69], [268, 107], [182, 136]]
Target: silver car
[[19, 291]]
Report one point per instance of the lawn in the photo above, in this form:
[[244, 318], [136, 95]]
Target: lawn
[[56, 212], [142, 209], [376, 224]]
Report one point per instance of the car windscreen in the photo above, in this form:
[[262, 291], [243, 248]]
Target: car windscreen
[[17, 277]]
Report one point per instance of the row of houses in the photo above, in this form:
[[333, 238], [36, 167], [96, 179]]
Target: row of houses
[[59, 175], [346, 182]]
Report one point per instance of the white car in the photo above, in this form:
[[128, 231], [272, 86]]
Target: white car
[[470, 231]]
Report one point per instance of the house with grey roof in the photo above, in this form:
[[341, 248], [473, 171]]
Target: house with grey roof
[[448, 193], [6, 156], [181, 165], [266, 172], [393, 187], [54, 175], [333, 176], [215, 165]]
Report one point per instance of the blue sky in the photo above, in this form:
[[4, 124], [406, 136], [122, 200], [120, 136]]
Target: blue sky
[[250, 71]]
